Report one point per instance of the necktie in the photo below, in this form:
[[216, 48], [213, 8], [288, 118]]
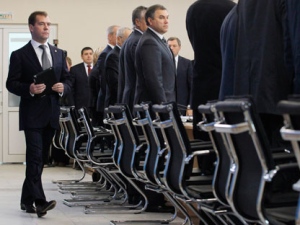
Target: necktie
[[89, 69], [165, 42], [45, 60]]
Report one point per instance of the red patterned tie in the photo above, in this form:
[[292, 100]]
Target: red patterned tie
[[89, 69]]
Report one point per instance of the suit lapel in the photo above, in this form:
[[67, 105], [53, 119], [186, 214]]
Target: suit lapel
[[55, 58], [83, 70], [30, 53], [164, 46], [53, 52]]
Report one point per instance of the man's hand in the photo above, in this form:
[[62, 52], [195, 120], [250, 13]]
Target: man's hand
[[58, 87], [37, 88]]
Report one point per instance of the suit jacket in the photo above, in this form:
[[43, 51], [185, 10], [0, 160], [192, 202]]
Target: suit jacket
[[129, 48], [156, 72], [121, 78], [293, 34], [36, 112], [111, 68], [101, 77], [205, 40], [228, 40], [260, 69], [80, 85], [184, 80], [94, 86]]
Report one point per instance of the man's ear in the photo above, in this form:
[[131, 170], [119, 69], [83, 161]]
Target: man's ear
[[30, 28]]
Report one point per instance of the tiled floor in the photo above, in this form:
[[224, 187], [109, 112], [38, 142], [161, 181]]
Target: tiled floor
[[11, 179]]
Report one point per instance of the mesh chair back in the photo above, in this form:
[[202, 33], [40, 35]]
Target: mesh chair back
[[248, 143], [178, 146], [128, 138], [224, 163], [154, 160]]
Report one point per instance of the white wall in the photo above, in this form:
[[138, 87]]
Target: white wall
[[83, 23]]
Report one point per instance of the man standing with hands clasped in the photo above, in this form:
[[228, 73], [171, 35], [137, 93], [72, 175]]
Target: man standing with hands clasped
[[156, 74], [154, 61], [39, 114]]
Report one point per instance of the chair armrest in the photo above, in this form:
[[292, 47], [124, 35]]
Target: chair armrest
[[283, 157], [281, 168], [196, 153]]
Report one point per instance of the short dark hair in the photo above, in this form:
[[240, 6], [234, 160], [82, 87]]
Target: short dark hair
[[32, 17], [137, 12], [175, 38], [151, 11], [86, 48]]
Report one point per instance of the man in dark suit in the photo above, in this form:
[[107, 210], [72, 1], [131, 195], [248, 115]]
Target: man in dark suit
[[100, 95], [127, 73], [205, 40], [184, 73], [79, 74], [260, 68], [156, 72], [203, 22], [154, 61], [111, 67], [39, 113]]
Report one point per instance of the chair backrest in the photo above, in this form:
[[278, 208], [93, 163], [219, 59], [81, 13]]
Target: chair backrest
[[250, 149], [95, 150], [75, 116], [290, 110], [154, 160], [225, 166], [75, 139], [110, 120], [127, 137], [177, 144], [60, 135]]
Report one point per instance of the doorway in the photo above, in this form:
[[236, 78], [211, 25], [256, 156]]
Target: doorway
[[12, 147]]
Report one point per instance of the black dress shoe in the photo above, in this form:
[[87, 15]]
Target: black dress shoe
[[41, 210], [28, 208], [160, 209]]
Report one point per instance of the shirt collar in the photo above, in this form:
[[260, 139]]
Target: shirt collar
[[138, 30], [85, 64], [36, 44], [158, 34], [111, 46]]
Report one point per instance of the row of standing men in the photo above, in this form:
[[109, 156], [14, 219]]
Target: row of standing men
[[136, 65], [113, 77]]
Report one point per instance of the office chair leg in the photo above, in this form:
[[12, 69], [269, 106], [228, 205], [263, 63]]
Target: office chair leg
[[72, 181]]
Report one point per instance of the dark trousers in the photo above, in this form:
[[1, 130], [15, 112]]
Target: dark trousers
[[97, 117], [37, 146]]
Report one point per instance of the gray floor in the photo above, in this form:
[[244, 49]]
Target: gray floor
[[11, 179]]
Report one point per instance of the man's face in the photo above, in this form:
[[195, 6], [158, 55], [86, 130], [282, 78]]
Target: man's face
[[112, 38], [87, 56], [174, 47], [121, 40], [160, 22], [41, 29]]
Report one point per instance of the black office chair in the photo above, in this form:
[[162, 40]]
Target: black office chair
[[254, 191], [190, 187], [290, 110], [225, 167], [101, 157], [67, 141], [132, 153], [82, 193], [155, 160]]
